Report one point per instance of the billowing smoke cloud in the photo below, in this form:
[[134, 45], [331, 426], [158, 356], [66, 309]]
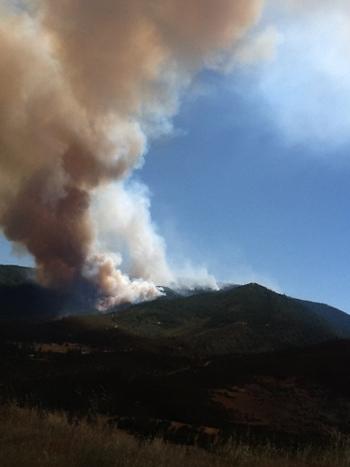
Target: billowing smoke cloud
[[122, 216], [84, 84]]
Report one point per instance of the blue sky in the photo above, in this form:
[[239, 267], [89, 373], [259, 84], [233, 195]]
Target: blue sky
[[253, 182], [233, 194]]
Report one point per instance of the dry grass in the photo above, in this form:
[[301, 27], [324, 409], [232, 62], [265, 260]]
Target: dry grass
[[31, 439]]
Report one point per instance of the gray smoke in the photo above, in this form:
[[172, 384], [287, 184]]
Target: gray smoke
[[83, 85]]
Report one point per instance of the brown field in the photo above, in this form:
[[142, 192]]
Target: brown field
[[64, 348], [29, 438]]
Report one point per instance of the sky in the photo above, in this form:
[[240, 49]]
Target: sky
[[252, 183]]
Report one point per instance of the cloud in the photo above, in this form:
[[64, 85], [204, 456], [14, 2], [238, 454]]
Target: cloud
[[306, 88]]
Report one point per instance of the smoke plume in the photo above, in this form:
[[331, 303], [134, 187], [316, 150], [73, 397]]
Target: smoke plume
[[84, 85]]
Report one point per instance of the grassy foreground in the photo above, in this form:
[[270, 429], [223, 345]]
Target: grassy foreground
[[32, 439]]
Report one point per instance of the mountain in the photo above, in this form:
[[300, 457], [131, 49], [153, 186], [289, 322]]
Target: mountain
[[21, 297], [249, 318], [236, 319], [243, 362], [337, 320], [15, 275]]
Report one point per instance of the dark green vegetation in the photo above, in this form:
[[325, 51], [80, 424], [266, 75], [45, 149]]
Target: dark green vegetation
[[244, 362], [243, 319], [15, 275]]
